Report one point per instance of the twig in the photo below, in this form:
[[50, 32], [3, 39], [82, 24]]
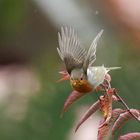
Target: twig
[[126, 106]]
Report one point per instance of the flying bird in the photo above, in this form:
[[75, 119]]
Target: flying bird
[[80, 70]]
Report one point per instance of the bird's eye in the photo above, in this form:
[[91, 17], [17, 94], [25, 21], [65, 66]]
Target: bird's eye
[[81, 78]]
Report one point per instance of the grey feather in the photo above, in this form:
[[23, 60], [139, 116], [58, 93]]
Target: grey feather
[[91, 55], [70, 50]]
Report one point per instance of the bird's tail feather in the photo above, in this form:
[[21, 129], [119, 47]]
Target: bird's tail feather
[[112, 68]]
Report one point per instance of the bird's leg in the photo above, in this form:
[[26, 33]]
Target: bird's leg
[[106, 86], [108, 77], [108, 80]]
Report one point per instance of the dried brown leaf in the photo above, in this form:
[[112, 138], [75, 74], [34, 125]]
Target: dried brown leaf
[[104, 131], [106, 106], [130, 136], [92, 110], [123, 118]]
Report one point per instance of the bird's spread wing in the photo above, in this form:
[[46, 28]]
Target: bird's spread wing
[[70, 49], [91, 55]]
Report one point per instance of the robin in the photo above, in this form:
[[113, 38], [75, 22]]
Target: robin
[[84, 76]]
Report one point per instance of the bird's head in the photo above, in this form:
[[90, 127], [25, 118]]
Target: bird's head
[[78, 76]]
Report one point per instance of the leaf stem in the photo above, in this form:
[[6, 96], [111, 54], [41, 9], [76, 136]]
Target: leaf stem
[[125, 105]]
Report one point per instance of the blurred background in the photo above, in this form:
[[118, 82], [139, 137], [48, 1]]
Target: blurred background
[[30, 98]]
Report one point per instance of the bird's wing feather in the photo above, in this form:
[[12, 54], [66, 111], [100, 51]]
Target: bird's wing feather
[[70, 50], [91, 55]]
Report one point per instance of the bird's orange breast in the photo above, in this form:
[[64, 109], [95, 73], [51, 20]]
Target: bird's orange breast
[[81, 86]]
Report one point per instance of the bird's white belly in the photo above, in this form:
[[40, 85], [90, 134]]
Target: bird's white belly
[[96, 75]]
